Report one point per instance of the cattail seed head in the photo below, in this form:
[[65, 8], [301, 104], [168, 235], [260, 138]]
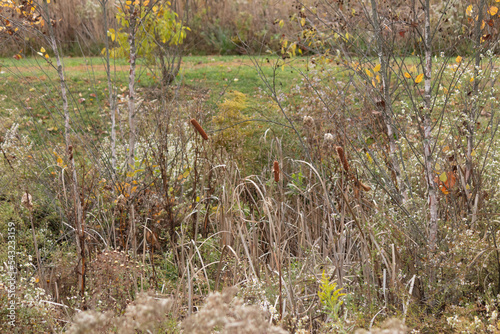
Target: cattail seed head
[[198, 128], [364, 186], [276, 169], [343, 159]]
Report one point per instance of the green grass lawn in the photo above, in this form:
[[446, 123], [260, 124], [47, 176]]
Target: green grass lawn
[[30, 88]]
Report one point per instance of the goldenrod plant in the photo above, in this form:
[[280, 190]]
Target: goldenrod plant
[[330, 297]]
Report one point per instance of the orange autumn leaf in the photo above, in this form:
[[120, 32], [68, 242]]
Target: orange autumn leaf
[[446, 181]]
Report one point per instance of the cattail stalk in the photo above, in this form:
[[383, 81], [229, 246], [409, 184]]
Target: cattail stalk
[[276, 169], [198, 128]]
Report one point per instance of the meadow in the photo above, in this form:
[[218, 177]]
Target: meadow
[[343, 178]]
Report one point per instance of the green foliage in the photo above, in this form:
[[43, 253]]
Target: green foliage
[[296, 186], [219, 38], [330, 297], [158, 27]]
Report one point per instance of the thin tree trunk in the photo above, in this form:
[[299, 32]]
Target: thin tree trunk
[[474, 108], [387, 106], [112, 102], [131, 86], [428, 140], [69, 151]]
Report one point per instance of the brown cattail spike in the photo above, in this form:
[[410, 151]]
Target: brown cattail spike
[[276, 169], [364, 186], [343, 159], [199, 128]]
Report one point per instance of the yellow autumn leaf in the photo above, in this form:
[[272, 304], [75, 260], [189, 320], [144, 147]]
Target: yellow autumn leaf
[[473, 153], [111, 33], [48, 1], [42, 49], [458, 59], [483, 24], [443, 178], [376, 68], [493, 10], [419, 78], [373, 83], [471, 79], [407, 75], [370, 159], [368, 72], [47, 56], [468, 11], [302, 21]]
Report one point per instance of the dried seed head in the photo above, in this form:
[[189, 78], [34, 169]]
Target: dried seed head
[[198, 128], [276, 169], [343, 159], [26, 201], [329, 139], [308, 121], [121, 201]]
